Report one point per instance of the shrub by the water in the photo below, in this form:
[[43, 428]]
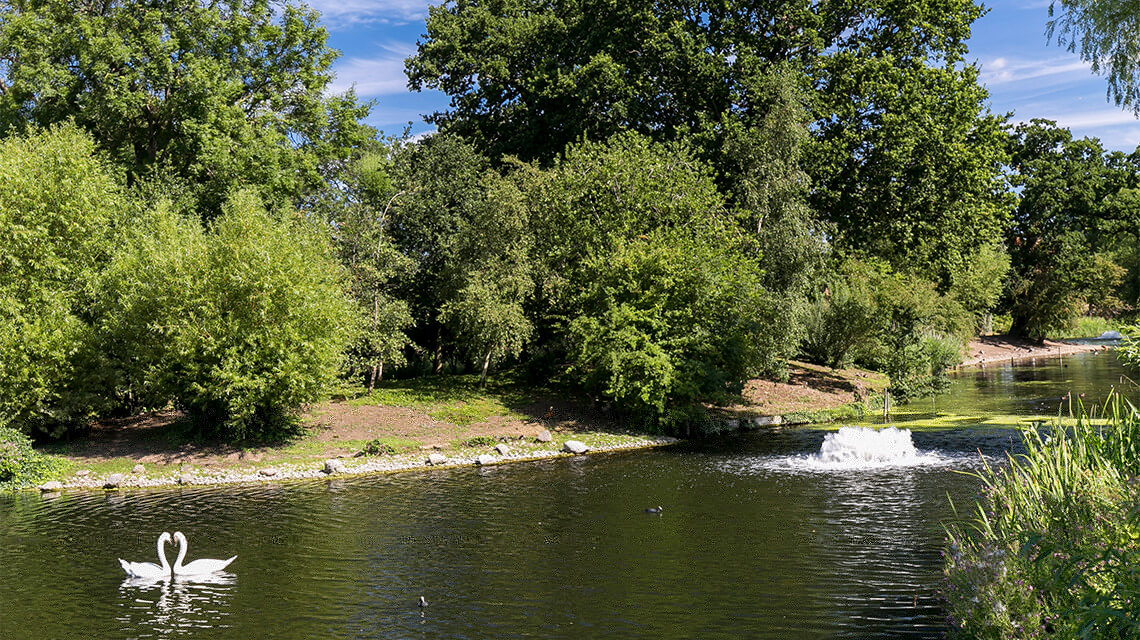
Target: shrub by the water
[[20, 464], [239, 325], [1129, 350], [1052, 549]]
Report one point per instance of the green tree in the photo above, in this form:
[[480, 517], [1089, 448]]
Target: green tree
[[221, 94], [646, 280], [364, 246], [492, 281], [673, 319], [910, 168], [59, 209], [904, 160], [438, 182], [892, 322], [240, 325], [1065, 187]]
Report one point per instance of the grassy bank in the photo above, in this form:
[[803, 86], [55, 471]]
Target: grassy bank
[[401, 422]]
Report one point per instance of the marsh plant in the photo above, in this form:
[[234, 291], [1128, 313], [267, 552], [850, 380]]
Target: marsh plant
[[1051, 548]]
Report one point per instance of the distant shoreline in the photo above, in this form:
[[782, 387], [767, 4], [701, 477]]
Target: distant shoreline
[[988, 349]]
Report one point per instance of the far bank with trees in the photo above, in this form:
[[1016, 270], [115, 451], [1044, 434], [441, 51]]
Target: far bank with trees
[[652, 203]]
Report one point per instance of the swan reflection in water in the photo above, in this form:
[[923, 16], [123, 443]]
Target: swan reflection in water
[[169, 606]]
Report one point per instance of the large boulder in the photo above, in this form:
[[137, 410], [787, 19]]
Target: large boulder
[[575, 447]]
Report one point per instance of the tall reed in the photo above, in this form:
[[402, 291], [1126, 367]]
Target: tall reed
[[1050, 548]]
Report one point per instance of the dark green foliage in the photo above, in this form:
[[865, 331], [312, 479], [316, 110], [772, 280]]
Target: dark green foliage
[[481, 441], [891, 322], [222, 94], [491, 276], [364, 246], [1065, 207], [377, 448], [20, 465], [843, 318], [909, 168], [870, 103]]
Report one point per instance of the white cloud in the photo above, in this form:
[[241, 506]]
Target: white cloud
[[383, 75], [1106, 117], [1116, 128], [1001, 70], [337, 14]]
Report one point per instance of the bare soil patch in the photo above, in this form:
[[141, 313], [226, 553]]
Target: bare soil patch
[[998, 348], [809, 388]]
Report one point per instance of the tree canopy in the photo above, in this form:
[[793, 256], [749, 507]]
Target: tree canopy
[[220, 94]]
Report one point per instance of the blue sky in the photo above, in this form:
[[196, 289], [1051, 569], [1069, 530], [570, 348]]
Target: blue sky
[[1024, 73]]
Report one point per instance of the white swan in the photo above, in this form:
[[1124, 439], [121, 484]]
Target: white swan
[[196, 567], [150, 569]]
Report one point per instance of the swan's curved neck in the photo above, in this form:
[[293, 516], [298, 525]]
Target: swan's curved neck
[[181, 553], [161, 544]]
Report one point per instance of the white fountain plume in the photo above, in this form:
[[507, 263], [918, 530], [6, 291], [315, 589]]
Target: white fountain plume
[[856, 449], [861, 446]]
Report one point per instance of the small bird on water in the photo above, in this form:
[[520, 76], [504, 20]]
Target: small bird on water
[[423, 603], [656, 510]]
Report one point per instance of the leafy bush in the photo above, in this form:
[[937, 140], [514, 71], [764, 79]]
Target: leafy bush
[[240, 326], [1129, 350], [58, 209], [673, 320], [20, 464], [481, 441], [1051, 549], [377, 447], [840, 321], [894, 323]]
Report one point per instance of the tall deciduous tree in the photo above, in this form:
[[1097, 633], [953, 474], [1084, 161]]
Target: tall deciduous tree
[[491, 276], [362, 231], [222, 94], [1067, 188], [906, 161]]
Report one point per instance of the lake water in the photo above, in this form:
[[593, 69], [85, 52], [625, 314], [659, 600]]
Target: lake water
[[759, 538]]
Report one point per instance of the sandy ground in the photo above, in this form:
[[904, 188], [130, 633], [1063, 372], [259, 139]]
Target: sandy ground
[[1000, 348]]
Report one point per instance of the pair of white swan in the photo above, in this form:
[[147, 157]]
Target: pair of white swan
[[194, 568]]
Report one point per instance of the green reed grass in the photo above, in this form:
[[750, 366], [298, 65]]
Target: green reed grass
[[1050, 548]]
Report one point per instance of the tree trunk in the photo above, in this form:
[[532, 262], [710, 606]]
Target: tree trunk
[[486, 364], [377, 371], [378, 368], [437, 366]]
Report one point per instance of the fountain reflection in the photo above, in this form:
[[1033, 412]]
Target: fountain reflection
[[179, 606]]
